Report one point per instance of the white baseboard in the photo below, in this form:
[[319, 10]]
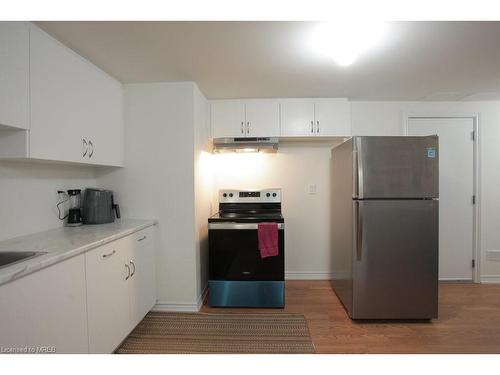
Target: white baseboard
[[456, 279], [181, 306], [308, 275], [202, 296], [175, 306], [490, 279]]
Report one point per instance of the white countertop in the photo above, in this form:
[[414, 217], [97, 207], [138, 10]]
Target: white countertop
[[63, 243]]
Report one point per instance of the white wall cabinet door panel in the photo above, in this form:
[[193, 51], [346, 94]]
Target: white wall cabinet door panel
[[228, 118], [142, 283], [46, 308], [332, 117], [14, 74], [76, 109], [297, 117], [59, 100], [262, 118], [107, 295], [106, 132]]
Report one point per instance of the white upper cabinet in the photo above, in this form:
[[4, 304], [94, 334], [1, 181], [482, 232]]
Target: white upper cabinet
[[262, 118], [59, 113], [332, 117], [297, 118], [14, 74], [315, 117], [245, 118], [76, 109], [228, 119]]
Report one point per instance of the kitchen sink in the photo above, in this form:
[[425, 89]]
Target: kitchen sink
[[8, 258]]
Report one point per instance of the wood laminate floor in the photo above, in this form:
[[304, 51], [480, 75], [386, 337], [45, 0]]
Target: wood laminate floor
[[469, 322]]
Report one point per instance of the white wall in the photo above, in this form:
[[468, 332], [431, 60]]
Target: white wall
[[294, 168], [158, 182], [28, 194], [379, 118], [203, 187]]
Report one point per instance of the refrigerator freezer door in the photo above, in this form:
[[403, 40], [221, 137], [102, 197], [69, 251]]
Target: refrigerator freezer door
[[397, 167], [395, 259]]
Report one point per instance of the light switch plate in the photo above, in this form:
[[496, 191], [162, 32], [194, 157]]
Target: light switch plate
[[312, 189]]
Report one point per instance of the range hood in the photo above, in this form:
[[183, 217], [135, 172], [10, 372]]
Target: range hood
[[245, 144]]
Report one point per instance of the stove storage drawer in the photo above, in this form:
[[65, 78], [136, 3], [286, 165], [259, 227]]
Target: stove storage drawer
[[234, 254]]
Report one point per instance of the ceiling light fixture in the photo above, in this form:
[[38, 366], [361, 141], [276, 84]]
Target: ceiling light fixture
[[344, 42]]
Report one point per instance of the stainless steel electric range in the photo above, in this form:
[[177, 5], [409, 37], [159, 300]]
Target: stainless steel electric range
[[238, 275]]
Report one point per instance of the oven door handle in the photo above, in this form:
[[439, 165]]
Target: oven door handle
[[238, 226]]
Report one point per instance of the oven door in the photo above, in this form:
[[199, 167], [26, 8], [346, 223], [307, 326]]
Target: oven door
[[234, 254]]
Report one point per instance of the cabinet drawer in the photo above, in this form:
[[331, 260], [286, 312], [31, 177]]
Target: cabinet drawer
[[144, 237]]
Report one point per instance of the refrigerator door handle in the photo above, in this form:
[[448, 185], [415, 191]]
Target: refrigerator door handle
[[359, 168], [355, 186], [359, 231]]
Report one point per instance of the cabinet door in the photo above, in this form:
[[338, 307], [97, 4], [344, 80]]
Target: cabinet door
[[59, 100], [76, 109], [14, 74], [142, 283], [105, 132], [333, 117], [46, 309], [107, 295], [228, 118], [262, 118], [297, 117]]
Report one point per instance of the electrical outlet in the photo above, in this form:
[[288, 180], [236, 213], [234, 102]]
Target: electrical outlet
[[493, 254], [312, 189]]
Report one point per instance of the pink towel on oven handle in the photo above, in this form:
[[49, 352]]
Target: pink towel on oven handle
[[268, 239]]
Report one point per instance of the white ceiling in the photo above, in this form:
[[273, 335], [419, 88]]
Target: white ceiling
[[417, 61]]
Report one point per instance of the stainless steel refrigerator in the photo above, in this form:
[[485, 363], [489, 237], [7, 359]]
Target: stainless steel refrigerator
[[384, 233]]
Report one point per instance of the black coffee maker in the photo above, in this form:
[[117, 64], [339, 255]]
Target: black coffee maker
[[75, 208]]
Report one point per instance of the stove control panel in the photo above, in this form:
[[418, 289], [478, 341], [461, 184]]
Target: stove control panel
[[250, 196]]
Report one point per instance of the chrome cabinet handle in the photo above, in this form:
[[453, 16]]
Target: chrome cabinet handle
[[85, 147], [133, 265], [128, 272], [317, 126], [312, 126], [142, 238], [109, 255], [248, 127], [92, 151], [242, 129]]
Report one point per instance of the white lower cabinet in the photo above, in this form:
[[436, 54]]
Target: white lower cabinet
[[142, 283], [46, 310], [88, 303], [120, 289], [107, 295]]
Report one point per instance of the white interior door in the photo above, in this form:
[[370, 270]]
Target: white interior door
[[456, 189]]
